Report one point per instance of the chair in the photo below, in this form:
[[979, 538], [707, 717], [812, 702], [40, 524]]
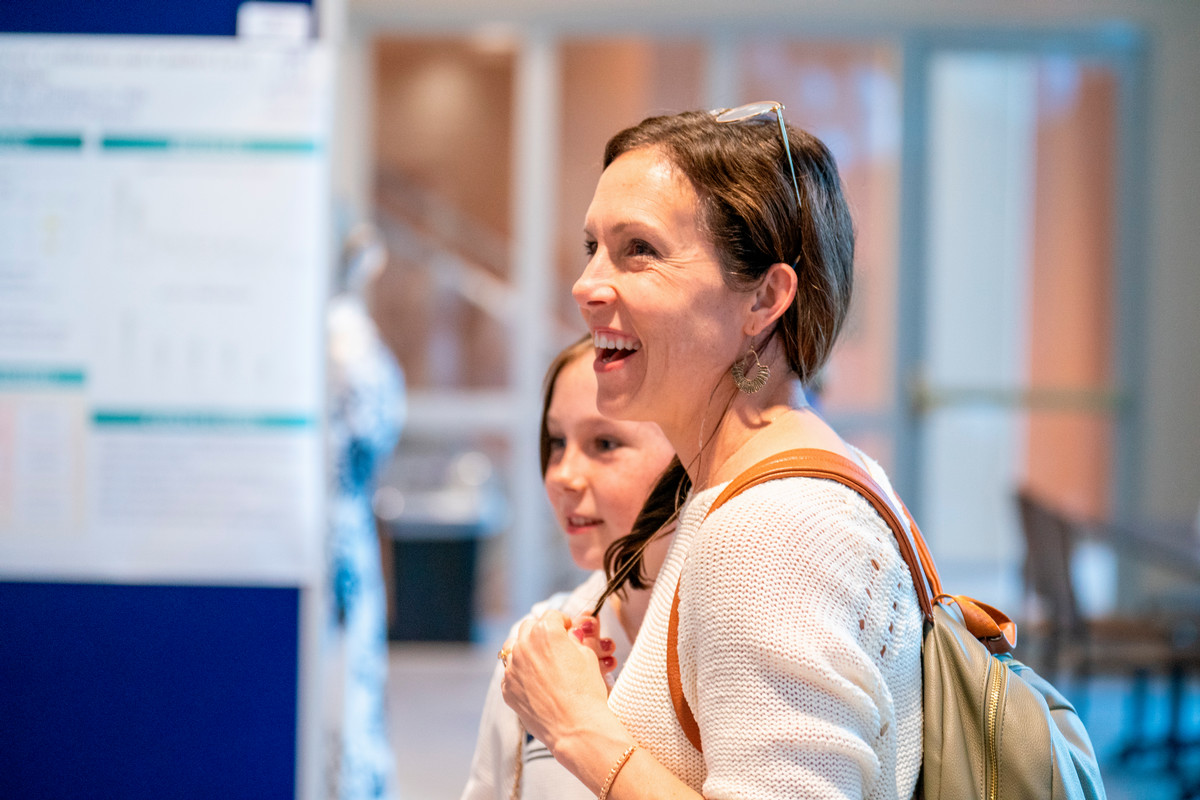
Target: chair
[[1066, 641]]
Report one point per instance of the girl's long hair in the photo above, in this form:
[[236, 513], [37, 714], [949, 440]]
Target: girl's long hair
[[623, 558]]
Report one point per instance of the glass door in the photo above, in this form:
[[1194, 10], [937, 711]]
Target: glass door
[[1014, 370]]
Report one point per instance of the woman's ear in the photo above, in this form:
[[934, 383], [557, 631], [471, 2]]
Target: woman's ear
[[774, 294]]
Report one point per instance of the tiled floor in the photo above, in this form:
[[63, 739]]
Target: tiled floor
[[436, 693]]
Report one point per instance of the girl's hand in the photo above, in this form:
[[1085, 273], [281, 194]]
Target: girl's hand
[[553, 680], [586, 629]]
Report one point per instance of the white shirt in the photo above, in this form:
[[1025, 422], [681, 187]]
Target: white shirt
[[542, 778]]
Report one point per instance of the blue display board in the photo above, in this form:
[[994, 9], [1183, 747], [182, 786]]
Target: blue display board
[[122, 17], [147, 691]]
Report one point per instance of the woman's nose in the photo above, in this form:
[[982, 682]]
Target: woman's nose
[[594, 288]]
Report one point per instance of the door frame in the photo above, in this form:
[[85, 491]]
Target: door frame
[[1124, 48]]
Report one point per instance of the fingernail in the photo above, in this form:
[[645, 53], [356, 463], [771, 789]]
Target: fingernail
[[609, 662], [588, 626], [607, 644], [578, 632]]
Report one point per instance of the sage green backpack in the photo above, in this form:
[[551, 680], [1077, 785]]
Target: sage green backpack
[[993, 728]]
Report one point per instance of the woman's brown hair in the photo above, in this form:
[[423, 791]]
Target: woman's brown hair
[[749, 208]]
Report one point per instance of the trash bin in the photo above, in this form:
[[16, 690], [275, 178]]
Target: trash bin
[[437, 510]]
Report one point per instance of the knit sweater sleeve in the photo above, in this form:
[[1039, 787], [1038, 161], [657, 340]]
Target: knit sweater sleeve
[[799, 644]]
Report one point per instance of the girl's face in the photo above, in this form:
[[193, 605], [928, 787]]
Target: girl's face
[[600, 470]]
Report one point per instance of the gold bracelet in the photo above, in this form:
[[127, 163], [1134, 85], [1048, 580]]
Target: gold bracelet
[[612, 773]]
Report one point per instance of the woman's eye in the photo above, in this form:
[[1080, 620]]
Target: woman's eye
[[589, 248], [637, 247], [557, 443]]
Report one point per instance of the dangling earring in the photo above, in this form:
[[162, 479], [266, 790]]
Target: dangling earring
[[762, 374]]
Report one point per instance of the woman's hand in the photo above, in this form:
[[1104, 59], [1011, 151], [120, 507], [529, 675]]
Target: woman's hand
[[553, 680]]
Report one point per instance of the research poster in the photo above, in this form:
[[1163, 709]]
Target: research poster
[[164, 251]]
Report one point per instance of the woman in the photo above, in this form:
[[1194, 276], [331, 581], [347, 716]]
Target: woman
[[719, 269], [597, 472]]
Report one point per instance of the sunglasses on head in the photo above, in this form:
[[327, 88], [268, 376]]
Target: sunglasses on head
[[752, 110]]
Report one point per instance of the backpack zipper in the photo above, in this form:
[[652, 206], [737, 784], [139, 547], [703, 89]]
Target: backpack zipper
[[991, 749]]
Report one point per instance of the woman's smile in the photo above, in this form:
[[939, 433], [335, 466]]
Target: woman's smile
[[612, 348]]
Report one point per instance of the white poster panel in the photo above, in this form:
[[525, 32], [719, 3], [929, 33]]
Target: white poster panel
[[164, 247]]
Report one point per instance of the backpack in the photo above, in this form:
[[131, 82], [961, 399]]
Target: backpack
[[993, 728]]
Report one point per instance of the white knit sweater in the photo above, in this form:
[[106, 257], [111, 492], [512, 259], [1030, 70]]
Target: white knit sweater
[[799, 648]]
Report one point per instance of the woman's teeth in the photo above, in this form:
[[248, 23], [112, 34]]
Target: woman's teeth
[[613, 341], [614, 347]]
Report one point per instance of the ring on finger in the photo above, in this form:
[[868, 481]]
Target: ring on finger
[[503, 655]]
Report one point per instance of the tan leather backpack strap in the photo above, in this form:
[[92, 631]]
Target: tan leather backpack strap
[[809, 463], [931, 573], [683, 712], [988, 624]]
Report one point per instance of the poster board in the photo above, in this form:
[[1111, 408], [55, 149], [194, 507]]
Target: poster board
[[164, 248]]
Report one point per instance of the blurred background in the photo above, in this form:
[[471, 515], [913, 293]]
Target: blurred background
[[1021, 355]]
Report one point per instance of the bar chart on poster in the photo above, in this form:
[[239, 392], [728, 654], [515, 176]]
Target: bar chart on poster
[[163, 249]]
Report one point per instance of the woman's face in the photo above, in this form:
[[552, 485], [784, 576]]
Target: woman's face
[[600, 470], [665, 326]]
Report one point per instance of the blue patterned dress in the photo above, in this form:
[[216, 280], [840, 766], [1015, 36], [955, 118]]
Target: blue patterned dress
[[365, 415]]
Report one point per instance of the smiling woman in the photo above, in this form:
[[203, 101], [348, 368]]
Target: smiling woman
[[720, 261], [653, 275]]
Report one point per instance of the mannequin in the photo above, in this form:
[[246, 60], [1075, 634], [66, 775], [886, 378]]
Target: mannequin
[[366, 393]]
